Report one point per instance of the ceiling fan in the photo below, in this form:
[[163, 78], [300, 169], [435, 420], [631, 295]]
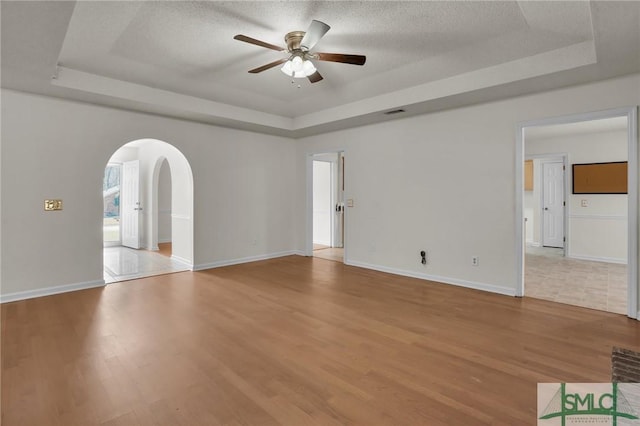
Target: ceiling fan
[[299, 44]]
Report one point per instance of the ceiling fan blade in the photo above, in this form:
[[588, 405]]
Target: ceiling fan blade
[[258, 43], [339, 57], [313, 35], [268, 66], [315, 77]]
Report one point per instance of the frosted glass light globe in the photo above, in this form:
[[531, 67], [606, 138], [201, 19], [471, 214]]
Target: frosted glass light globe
[[296, 64], [286, 68], [308, 68]]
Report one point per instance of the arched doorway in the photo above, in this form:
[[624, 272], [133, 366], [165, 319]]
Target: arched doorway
[[140, 211]]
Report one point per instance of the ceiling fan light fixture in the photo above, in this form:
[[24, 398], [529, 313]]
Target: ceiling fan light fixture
[[287, 69], [296, 64], [308, 68], [299, 45], [298, 67]]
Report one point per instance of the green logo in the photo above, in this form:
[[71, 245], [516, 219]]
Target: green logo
[[565, 404]]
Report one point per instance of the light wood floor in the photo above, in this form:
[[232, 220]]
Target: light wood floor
[[164, 249], [329, 253], [294, 341]]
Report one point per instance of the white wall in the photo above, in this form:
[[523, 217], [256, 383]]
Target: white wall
[[599, 230], [445, 182], [152, 154], [529, 212], [125, 153], [53, 148], [164, 203]]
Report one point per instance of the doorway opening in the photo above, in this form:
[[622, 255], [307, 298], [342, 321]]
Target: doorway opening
[[545, 195], [578, 247], [164, 209], [111, 203], [148, 211], [327, 206], [553, 204]]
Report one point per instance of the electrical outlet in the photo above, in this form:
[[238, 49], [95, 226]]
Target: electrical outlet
[[423, 255], [475, 260]]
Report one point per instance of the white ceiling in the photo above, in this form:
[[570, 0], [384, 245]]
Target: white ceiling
[[178, 58]]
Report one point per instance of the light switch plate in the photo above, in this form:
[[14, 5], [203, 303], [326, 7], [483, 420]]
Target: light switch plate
[[584, 203], [51, 205], [350, 202]]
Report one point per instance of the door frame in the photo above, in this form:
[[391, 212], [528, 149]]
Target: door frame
[[182, 198], [337, 227], [631, 113], [565, 187], [119, 242], [308, 250]]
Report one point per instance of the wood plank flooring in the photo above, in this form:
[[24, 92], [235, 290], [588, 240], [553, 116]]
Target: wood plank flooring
[[330, 253], [164, 249], [294, 341]]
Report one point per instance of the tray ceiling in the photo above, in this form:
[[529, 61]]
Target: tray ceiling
[[180, 59]]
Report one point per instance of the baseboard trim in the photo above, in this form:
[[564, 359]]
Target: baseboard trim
[[230, 262], [49, 291], [445, 280], [164, 240], [533, 244], [618, 260], [183, 260]]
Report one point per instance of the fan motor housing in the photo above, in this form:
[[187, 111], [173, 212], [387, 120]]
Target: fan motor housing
[[293, 40]]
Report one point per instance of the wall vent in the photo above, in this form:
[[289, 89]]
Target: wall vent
[[395, 111]]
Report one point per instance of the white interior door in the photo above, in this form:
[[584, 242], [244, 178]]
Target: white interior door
[[338, 229], [130, 204], [553, 204], [322, 205]]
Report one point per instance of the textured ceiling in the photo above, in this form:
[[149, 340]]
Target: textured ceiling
[[179, 58], [189, 48]]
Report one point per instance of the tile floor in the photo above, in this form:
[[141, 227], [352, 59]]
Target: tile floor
[[123, 263], [597, 285]]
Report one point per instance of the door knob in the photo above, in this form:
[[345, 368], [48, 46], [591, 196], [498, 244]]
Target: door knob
[[546, 208]]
